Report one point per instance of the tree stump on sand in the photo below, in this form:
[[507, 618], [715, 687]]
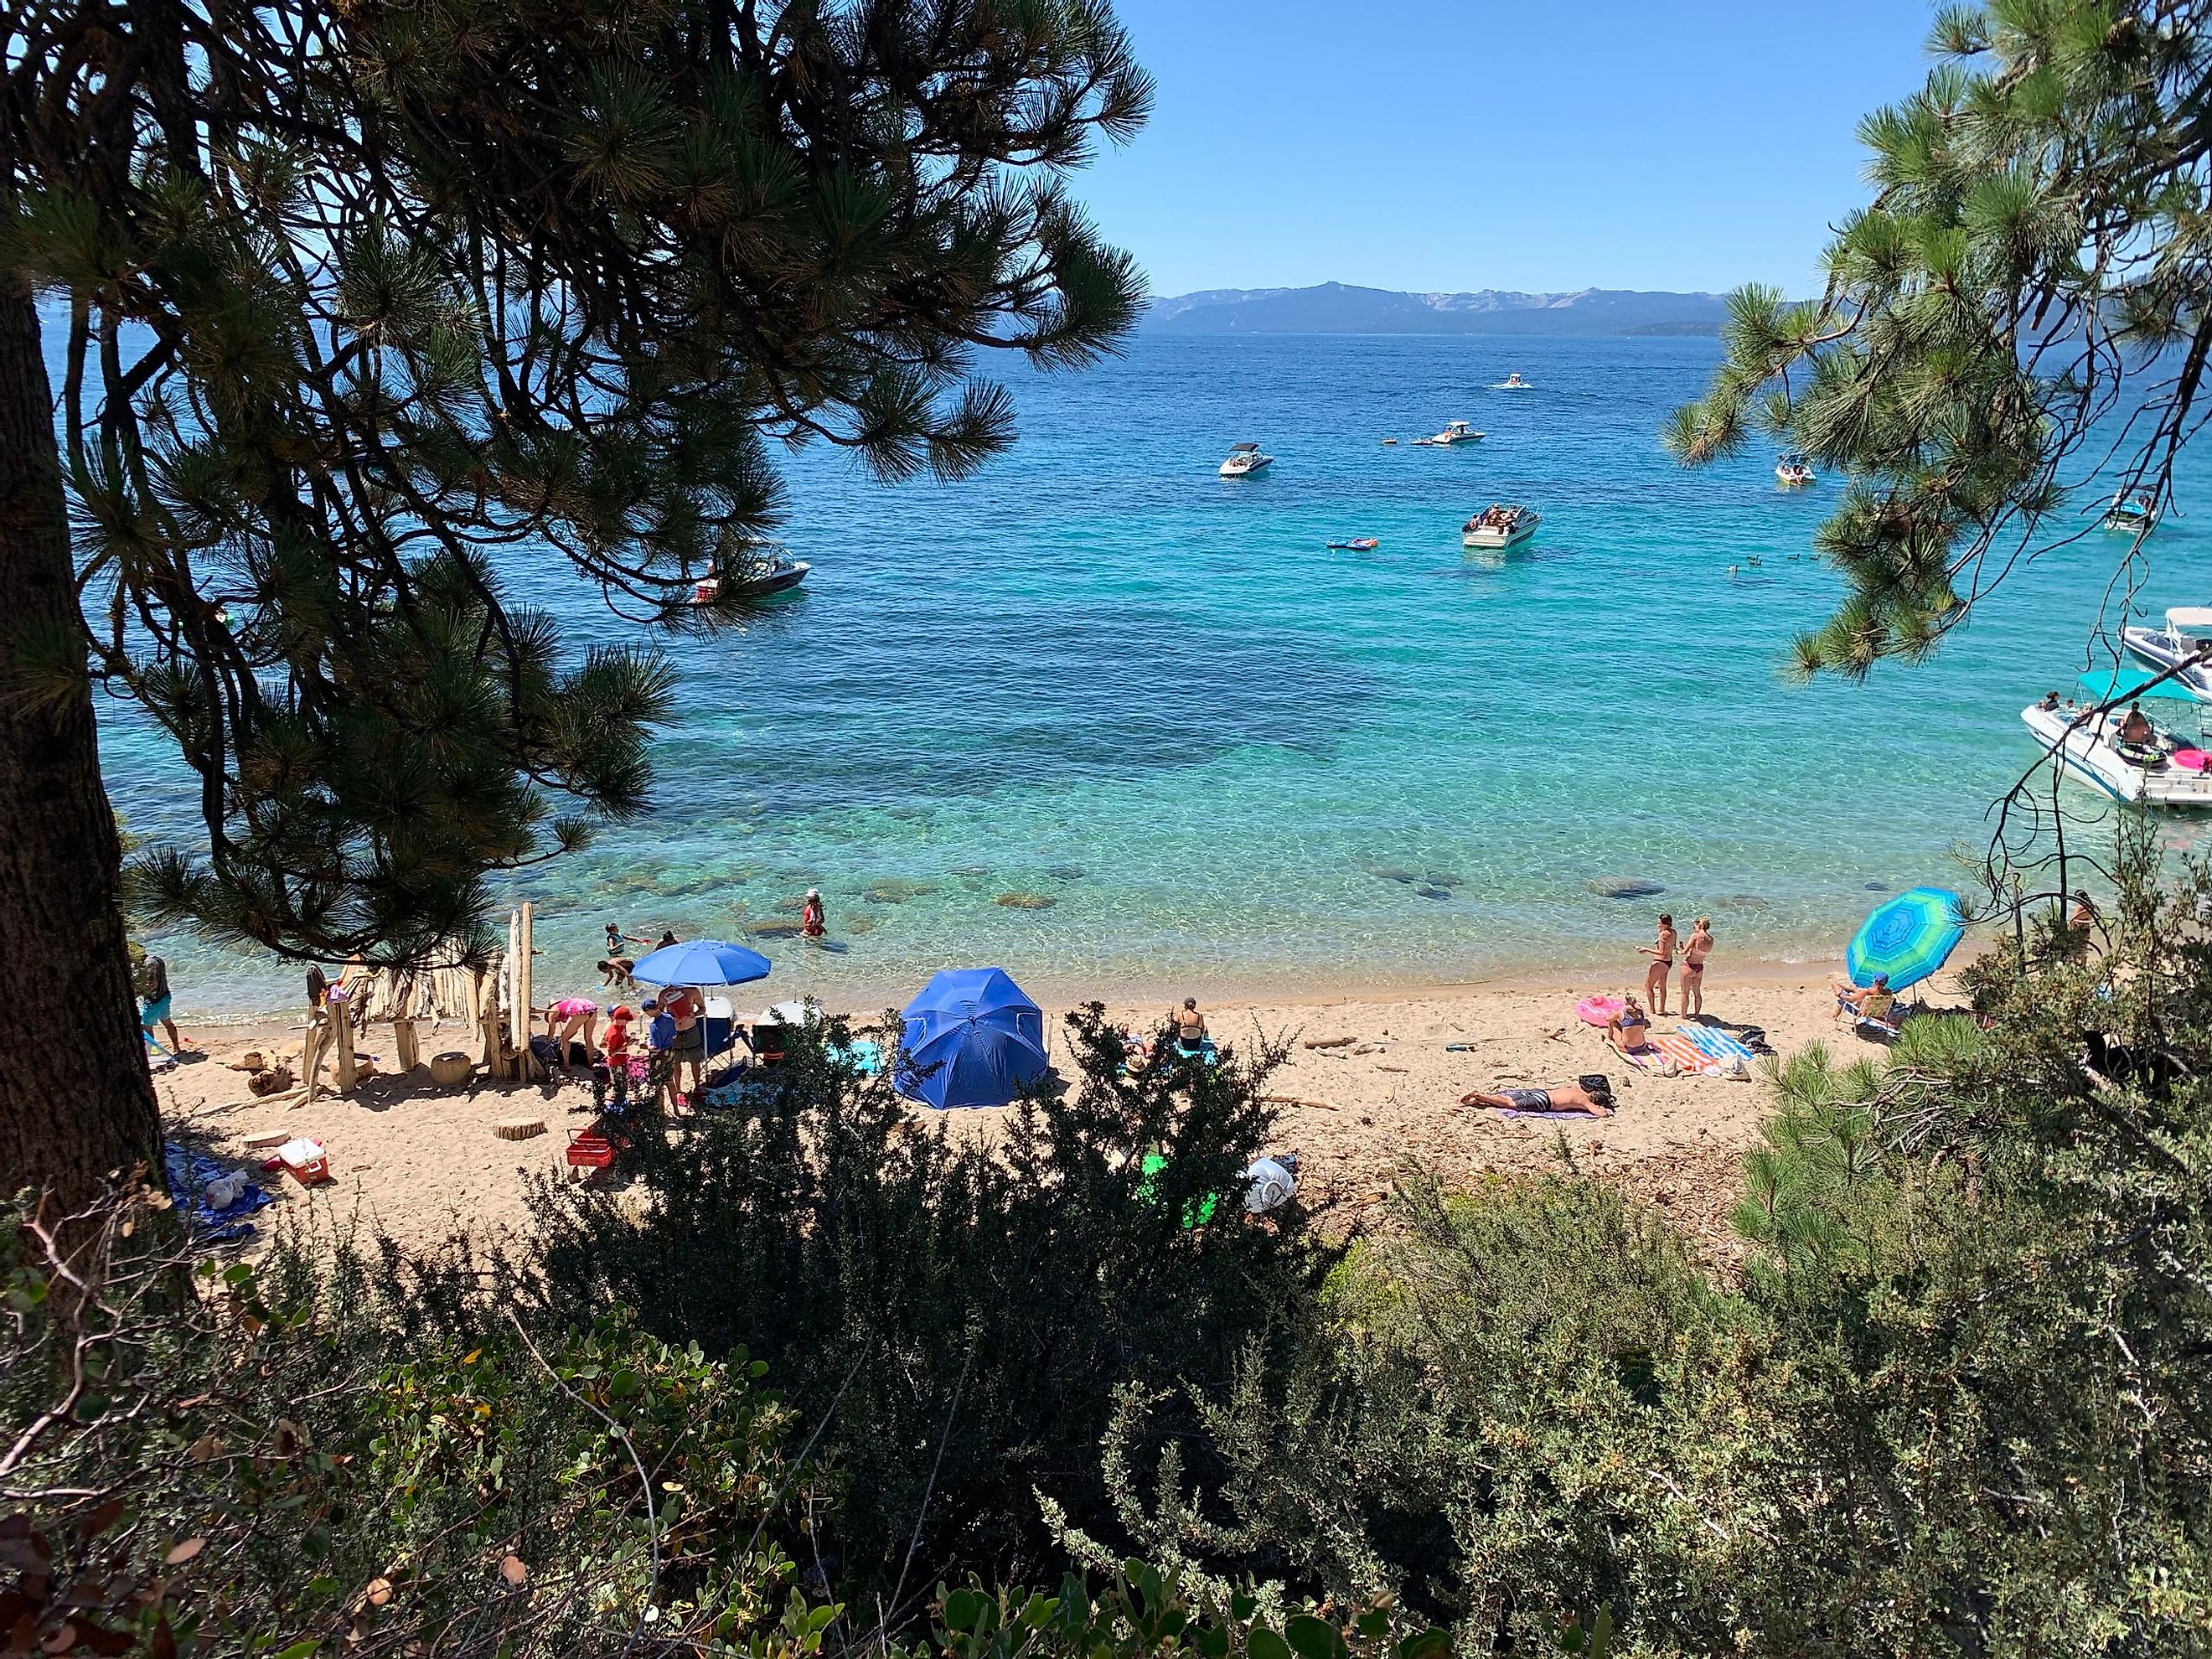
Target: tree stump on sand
[[518, 1129]]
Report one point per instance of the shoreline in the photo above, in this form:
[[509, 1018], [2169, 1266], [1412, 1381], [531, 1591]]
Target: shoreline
[[1058, 989]]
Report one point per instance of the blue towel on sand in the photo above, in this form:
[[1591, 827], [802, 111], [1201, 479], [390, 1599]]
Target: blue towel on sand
[[1711, 1040], [189, 1174]]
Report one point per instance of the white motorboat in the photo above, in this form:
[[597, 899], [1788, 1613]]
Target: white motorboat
[[2187, 633], [1794, 471], [1500, 524], [1454, 432], [1512, 382], [2135, 514], [2157, 768], [1244, 459]]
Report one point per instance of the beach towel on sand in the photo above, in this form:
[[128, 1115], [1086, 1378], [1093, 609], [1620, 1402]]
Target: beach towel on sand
[[1716, 1043], [1686, 1054], [189, 1174]]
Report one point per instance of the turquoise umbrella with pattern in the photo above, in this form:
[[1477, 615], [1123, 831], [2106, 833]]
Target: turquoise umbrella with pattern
[[1908, 938]]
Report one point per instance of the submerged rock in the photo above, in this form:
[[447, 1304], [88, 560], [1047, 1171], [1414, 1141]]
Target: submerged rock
[[773, 930], [1743, 902], [1443, 878], [1392, 872], [970, 871], [1026, 901], [1624, 887], [1877, 887], [1066, 871], [1432, 892], [859, 924], [894, 892]]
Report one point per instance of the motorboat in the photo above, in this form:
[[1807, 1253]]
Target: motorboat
[[761, 572], [1357, 544], [1794, 471], [2187, 636], [1500, 524], [1454, 432], [2134, 513], [1512, 382], [2153, 767], [1244, 460]]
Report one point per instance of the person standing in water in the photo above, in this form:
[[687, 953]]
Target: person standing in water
[[1662, 962], [813, 919], [1695, 950]]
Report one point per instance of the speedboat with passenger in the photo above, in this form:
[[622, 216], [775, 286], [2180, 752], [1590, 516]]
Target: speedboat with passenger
[[1454, 432], [2121, 753], [2187, 639], [1512, 382], [1500, 524], [1244, 460], [1794, 471], [761, 572], [1357, 544], [2133, 513]]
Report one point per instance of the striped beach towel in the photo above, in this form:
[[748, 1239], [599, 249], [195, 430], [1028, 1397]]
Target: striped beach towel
[[1686, 1054], [1717, 1044]]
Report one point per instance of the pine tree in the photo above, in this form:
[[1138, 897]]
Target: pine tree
[[362, 301], [2026, 301]]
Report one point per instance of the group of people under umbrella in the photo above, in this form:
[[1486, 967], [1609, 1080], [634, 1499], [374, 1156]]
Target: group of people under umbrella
[[973, 1037]]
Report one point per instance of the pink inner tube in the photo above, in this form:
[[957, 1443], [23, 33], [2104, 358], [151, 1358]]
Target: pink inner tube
[[1598, 1011], [2189, 760]]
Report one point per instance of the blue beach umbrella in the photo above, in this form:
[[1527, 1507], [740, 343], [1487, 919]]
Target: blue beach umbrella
[[972, 1038], [1908, 938], [702, 961]]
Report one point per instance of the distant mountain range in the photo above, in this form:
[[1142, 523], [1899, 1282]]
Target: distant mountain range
[[1339, 308]]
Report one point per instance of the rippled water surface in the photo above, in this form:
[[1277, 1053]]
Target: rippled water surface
[[1195, 746]]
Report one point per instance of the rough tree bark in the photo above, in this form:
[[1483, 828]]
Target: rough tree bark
[[76, 1102]]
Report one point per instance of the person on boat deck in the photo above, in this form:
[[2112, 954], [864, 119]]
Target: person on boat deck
[[1662, 952], [1629, 1030], [2050, 703], [813, 919], [1559, 1097], [2135, 725], [1190, 1027]]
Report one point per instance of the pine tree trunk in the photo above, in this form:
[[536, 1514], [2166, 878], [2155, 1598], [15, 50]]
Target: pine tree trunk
[[75, 1099]]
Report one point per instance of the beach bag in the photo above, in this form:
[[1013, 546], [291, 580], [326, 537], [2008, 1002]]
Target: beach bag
[[1597, 1086]]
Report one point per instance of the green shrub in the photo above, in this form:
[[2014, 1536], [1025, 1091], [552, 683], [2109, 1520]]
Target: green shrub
[[953, 1317]]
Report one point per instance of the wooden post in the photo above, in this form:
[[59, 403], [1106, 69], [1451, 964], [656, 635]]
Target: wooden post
[[342, 1034], [311, 1053], [526, 1068], [403, 1037]]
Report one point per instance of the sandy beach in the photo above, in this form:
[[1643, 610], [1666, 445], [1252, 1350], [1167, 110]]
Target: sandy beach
[[419, 1162]]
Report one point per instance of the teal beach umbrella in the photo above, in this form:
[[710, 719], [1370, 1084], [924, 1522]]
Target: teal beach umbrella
[[1908, 938]]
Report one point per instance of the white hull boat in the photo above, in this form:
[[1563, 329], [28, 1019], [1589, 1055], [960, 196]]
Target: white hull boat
[[1499, 525], [1454, 432], [1244, 460], [2165, 773], [2132, 515], [1511, 382], [2188, 630], [1794, 472]]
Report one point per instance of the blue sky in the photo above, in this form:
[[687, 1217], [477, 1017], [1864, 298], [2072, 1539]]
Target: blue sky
[[1456, 144]]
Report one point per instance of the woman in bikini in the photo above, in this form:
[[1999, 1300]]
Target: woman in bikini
[[1190, 1027], [1629, 1030], [1662, 964], [1695, 950]]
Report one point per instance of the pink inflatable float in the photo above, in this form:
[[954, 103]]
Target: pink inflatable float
[[1598, 1011]]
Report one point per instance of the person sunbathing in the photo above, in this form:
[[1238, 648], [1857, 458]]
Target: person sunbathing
[[1559, 1097], [1873, 1001], [1629, 1030]]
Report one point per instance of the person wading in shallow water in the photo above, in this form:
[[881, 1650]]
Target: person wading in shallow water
[[813, 919]]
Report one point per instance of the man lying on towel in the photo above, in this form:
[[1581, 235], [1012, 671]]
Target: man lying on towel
[[1559, 1097]]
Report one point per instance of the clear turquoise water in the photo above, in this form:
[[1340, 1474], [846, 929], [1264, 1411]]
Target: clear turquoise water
[[1100, 674]]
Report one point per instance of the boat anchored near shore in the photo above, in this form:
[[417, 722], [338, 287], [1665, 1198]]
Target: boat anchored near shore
[[2185, 639], [1500, 524], [1244, 460], [766, 571], [2122, 754]]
